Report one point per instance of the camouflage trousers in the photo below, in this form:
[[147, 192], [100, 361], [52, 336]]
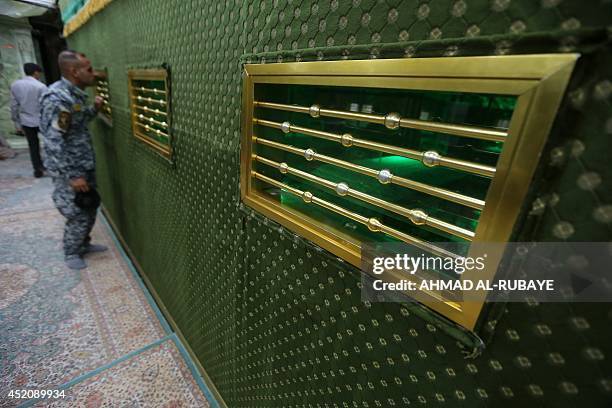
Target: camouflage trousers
[[79, 221]]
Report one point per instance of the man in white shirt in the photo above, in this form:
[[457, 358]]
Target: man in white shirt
[[25, 110]]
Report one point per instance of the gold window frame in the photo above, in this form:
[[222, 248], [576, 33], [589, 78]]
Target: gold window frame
[[538, 82], [139, 128]]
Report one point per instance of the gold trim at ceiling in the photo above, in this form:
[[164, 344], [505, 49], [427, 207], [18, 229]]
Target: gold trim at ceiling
[[90, 9]]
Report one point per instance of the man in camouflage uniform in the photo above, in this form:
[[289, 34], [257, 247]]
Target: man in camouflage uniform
[[69, 152]]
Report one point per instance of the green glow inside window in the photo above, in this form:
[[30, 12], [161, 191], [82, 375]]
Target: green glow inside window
[[480, 110]]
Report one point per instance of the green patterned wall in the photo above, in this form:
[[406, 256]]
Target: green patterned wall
[[277, 322]]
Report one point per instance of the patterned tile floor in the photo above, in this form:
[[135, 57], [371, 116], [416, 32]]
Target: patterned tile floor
[[93, 333]]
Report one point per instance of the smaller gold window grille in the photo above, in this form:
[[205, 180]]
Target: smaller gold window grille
[[101, 90], [150, 108]]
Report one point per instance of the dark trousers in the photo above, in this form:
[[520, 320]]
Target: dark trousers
[[79, 221], [32, 136]]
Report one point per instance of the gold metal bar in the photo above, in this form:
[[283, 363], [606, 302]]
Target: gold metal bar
[[299, 129], [317, 156], [323, 112], [151, 90], [340, 210], [150, 120], [381, 147], [429, 158], [280, 106], [150, 100], [325, 204], [296, 172], [153, 111], [419, 243], [349, 166], [475, 132], [363, 117], [372, 223], [440, 193], [275, 183], [417, 217], [450, 228], [151, 142], [150, 129], [471, 167], [400, 181], [287, 148], [316, 133]]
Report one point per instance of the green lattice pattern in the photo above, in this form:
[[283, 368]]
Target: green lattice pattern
[[276, 322]]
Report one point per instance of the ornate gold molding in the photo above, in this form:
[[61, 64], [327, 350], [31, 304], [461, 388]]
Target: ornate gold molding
[[90, 9]]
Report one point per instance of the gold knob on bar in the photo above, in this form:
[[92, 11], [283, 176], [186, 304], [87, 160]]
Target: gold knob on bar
[[307, 196], [309, 154], [314, 111], [418, 217], [384, 176], [286, 127], [342, 189], [431, 158], [283, 168], [374, 225], [392, 120], [347, 140]]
